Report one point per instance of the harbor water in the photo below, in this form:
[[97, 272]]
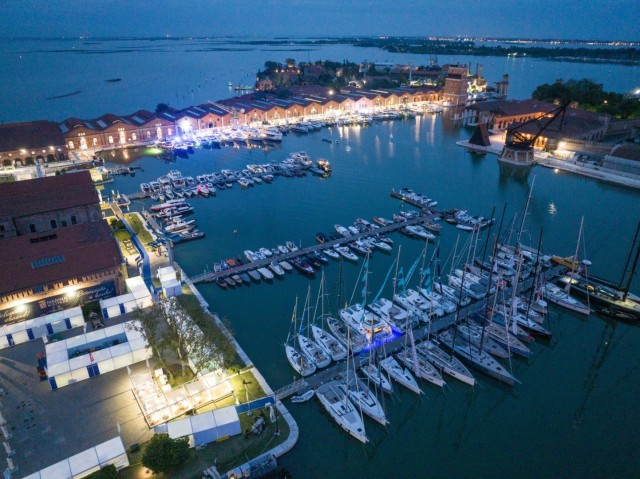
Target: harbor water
[[575, 412]]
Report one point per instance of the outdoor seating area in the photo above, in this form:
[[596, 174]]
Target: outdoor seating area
[[160, 402]]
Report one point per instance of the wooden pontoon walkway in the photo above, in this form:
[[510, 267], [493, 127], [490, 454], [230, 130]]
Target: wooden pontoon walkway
[[212, 276]]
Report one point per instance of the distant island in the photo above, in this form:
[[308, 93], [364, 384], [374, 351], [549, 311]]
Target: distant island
[[113, 80], [625, 55]]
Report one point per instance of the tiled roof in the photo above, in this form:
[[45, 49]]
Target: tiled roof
[[28, 135], [52, 193], [75, 251]]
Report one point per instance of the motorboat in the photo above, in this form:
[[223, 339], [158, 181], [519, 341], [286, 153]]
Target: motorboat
[[345, 253], [291, 246], [331, 253], [302, 266], [359, 246], [265, 273], [303, 397], [276, 268], [285, 265], [341, 230]]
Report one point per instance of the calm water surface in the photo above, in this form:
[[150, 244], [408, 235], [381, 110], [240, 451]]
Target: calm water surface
[[575, 413]]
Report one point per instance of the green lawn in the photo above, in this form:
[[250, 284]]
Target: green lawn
[[230, 452], [138, 228]]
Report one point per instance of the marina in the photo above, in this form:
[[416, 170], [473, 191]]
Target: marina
[[591, 357]]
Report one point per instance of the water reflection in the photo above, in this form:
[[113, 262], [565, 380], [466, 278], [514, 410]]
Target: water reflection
[[552, 209], [518, 173]]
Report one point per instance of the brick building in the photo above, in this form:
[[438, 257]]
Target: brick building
[[57, 250], [29, 143]]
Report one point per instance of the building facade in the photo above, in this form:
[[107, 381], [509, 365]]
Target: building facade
[[57, 251]]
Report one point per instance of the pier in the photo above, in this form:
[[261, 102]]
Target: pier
[[212, 276], [420, 333]]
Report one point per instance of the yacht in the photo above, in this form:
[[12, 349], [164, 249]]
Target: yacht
[[331, 253], [276, 268], [368, 324], [559, 297], [350, 338], [381, 245], [438, 300], [299, 362], [445, 362], [265, 273], [417, 304], [423, 368], [452, 294], [314, 352], [345, 253], [501, 335], [364, 399], [399, 319], [374, 374], [341, 409], [328, 343], [285, 265], [399, 374], [480, 339], [477, 358]]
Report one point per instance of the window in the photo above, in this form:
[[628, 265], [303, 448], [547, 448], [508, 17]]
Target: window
[[95, 142], [74, 220], [64, 223], [71, 145], [40, 263], [54, 224], [32, 228], [134, 137], [110, 140]]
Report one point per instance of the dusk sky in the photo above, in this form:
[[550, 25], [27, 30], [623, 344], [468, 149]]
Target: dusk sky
[[569, 19]]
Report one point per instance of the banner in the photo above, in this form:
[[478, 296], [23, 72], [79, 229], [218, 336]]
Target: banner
[[59, 302]]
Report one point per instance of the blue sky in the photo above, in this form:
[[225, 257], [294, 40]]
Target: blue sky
[[569, 19]]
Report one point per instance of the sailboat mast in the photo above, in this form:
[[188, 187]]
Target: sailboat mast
[[524, 216], [626, 265], [633, 269]]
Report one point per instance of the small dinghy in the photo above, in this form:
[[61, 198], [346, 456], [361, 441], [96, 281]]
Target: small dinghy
[[303, 397]]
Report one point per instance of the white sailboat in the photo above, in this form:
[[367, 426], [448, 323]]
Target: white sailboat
[[399, 374], [298, 360], [327, 342], [365, 399], [374, 374], [336, 402], [307, 345]]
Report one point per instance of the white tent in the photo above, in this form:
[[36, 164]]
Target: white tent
[[169, 282], [137, 297], [206, 427], [87, 462], [23, 331], [97, 352]]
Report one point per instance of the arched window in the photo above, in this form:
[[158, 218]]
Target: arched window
[[134, 137], [110, 140], [71, 147], [95, 142]]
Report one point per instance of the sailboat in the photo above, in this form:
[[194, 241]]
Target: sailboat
[[375, 376], [298, 360], [336, 402], [364, 399], [477, 358], [329, 344], [447, 363], [607, 298], [307, 345], [399, 374]]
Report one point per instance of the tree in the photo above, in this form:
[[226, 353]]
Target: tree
[[163, 454], [160, 107], [290, 62], [147, 322]]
